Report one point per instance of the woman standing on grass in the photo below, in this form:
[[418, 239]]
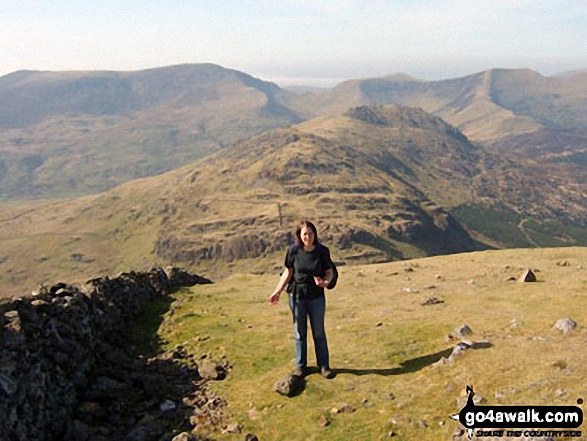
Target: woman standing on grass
[[308, 262]]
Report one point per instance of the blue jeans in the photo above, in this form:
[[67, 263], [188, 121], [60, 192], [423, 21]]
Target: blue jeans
[[315, 310]]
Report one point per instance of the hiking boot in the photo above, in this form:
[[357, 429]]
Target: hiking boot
[[300, 371], [327, 373]]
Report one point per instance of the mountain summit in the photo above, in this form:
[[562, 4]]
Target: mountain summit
[[29, 97]]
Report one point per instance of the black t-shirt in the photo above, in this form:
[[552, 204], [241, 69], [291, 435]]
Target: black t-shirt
[[305, 266]]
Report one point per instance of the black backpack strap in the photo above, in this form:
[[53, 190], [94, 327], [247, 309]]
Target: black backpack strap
[[291, 286], [334, 279]]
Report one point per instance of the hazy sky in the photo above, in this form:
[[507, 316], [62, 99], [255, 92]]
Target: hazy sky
[[296, 41]]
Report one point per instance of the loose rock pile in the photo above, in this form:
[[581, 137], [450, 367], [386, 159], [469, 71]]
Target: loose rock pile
[[67, 371], [461, 334]]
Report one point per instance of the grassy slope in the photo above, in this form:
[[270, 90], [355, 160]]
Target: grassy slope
[[523, 366], [77, 239]]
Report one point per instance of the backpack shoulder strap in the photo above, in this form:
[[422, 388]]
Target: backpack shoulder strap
[[292, 251], [322, 249], [326, 251]]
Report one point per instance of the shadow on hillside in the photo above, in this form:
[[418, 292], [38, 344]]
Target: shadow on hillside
[[143, 330], [408, 366], [377, 242], [481, 246], [139, 390]]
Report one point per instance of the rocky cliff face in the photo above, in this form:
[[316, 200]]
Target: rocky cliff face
[[65, 372]]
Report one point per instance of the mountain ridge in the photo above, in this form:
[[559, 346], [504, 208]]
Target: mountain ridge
[[464, 102], [60, 128], [155, 120], [138, 90], [382, 183]]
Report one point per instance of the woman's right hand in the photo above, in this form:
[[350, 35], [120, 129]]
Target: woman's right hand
[[274, 298]]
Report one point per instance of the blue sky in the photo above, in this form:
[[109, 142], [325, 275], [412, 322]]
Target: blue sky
[[296, 42]]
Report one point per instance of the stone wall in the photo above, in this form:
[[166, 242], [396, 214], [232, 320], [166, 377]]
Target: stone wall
[[51, 341]]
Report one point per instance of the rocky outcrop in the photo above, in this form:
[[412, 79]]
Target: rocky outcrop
[[61, 352], [423, 224], [431, 228], [228, 249]]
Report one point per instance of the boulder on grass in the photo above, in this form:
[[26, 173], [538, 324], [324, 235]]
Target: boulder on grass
[[566, 325], [528, 276], [289, 385]]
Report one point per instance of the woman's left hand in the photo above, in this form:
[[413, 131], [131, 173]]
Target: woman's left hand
[[322, 283]]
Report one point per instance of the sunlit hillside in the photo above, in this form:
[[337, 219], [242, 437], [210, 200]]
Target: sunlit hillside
[[382, 183]]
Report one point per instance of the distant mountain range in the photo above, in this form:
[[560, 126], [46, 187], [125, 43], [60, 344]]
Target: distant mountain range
[[75, 133], [70, 133], [485, 106]]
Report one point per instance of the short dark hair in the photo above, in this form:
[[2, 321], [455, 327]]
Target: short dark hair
[[301, 224]]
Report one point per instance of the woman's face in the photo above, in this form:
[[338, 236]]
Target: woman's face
[[307, 236]]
